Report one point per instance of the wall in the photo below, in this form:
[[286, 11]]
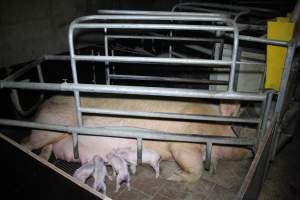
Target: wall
[[31, 28]]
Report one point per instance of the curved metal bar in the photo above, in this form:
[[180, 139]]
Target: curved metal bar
[[16, 101]]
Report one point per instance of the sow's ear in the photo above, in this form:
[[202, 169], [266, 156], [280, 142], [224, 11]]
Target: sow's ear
[[230, 108]]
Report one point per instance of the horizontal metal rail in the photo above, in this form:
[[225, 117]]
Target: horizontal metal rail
[[154, 60], [92, 22], [261, 40], [161, 13], [167, 79], [152, 27], [134, 90], [237, 9], [132, 132], [173, 116], [67, 58], [94, 18], [164, 38]]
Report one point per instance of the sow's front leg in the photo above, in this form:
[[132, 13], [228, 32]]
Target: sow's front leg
[[189, 158]]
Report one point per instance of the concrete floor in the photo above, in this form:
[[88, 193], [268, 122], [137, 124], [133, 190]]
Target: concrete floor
[[222, 185], [283, 180]]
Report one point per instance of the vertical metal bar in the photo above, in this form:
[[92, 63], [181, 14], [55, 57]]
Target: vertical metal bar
[[266, 113], [139, 150], [217, 51], [75, 145], [235, 82], [265, 109], [93, 69], [208, 156], [113, 65], [234, 56], [284, 82], [40, 73], [170, 46], [75, 79], [107, 72]]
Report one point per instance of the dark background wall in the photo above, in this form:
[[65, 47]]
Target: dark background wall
[[32, 28]]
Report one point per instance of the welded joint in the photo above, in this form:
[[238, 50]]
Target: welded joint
[[139, 150], [207, 161], [75, 145]]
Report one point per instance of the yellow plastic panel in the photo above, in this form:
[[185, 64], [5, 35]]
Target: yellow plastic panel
[[277, 30]]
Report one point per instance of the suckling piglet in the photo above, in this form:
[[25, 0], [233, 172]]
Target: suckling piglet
[[149, 156], [120, 168], [99, 174]]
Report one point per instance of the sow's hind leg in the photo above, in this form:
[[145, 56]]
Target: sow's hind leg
[[42, 140], [189, 158]]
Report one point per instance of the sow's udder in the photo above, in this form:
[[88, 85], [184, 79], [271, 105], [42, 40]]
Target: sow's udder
[[88, 147]]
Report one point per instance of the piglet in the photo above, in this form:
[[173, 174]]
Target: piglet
[[149, 156], [119, 166], [99, 174], [85, 171]]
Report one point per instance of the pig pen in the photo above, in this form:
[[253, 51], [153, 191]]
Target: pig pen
[[232, 179]]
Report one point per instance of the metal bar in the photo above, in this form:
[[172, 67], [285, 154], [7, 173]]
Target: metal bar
[[164, 38], [260, 40], [200, 48], [182, 61], [139, 12], [24, 69], [133, 90], [173, 17], [208, 156], [40, 73], [198, 9], [107, 72], [255, 163], [57, 58], [139, 151], [75, 145], [67, 58], [75, 80], [224, 6], [265, 114], [128, 132], [173, 116], [234, 58], [167, 79], [14, 95], [152, 27], [284, 82]]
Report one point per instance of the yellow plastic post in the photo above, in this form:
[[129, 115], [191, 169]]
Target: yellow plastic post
[[281, 29]]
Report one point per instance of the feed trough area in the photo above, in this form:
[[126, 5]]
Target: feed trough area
[[151, 104]]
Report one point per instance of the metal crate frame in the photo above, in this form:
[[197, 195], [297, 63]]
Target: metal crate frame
[[92, 22]]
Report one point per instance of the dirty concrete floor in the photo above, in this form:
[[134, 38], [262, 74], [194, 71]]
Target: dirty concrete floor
[[222, 185]]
